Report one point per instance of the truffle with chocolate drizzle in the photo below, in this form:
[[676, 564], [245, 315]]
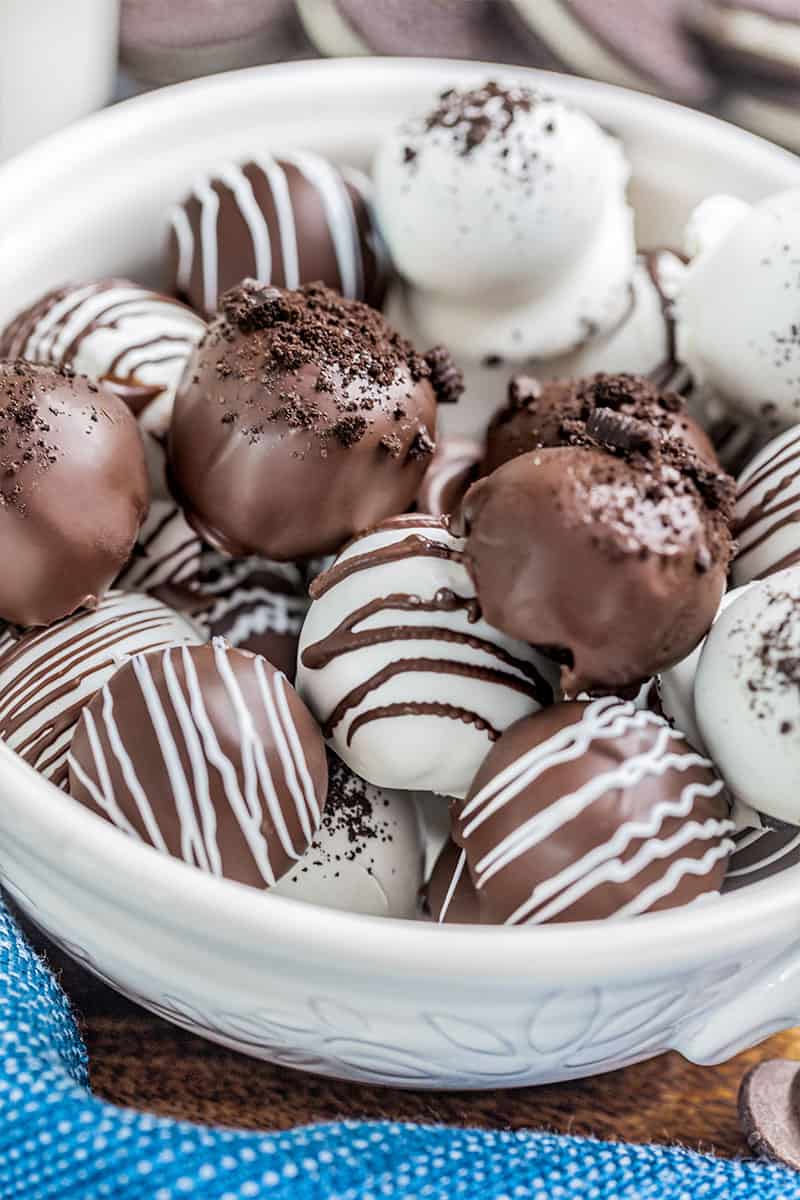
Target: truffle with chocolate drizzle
[[396, 660], [302, 419]]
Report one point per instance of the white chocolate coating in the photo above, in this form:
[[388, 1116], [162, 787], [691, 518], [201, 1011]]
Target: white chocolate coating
[[767, 524], [519, 248], [367, 855], [738, 330], [48, 675], [747, 698], [414, 711]]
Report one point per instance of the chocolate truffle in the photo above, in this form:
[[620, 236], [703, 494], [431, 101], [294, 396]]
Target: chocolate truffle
[[408, 681], [612, 552], [592, 810], [303, 419], [747, 698], [367, 854], [254, 604], [111, 330], [759, 854], [283, 221], [453, 468], [73, 491], [48, 675], [450, 896], [544, 414], [767, 518], [207, 754], [167, 552]]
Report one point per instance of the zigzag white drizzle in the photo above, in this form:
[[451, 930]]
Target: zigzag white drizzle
[[336, 204], [49, 674], [199, 819], [603, 719]]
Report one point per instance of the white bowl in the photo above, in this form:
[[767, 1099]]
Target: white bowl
[[359, 997]]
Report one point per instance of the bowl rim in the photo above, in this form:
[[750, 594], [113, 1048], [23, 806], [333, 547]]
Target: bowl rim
[[228, 913]]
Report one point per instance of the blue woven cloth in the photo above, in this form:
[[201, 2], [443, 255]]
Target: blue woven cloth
[[58, 1141]]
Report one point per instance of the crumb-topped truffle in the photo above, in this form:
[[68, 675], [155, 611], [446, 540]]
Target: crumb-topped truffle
[[612, 551], [303, 418]]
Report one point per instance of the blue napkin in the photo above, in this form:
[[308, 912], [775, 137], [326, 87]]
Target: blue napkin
[[60, 1142]]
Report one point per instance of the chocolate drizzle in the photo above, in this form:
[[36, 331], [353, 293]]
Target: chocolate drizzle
[[414, 546], [421, 708], [777, 508]]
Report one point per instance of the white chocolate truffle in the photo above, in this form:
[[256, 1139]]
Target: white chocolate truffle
[[409, 683], [367, 856], [767, 521], [742, 343], [47, 676], [747, 696], [676, 686], [506, 212]]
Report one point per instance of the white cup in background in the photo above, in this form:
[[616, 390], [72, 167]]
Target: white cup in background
[[57, 63]]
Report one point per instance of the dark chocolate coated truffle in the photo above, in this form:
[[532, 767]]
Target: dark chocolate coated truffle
[[73, 491], [450, 896], [585, 811], [543, 414], [208, 754], [614, 554], [284, 221], [303, 419]]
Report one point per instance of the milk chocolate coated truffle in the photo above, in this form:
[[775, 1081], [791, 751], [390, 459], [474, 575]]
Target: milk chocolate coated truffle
[[585, 811], [450, 896], [208, 754], [612, 552], [303, 419], [544, 414], [47, 676], [282, 221], [73, 491]]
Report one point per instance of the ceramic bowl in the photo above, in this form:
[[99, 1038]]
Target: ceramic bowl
[[393, 1002]]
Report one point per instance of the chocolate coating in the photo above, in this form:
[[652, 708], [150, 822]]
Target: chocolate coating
[[208, 754], [450, 896], [543, 414], [614, 557], [73, 491], [282, 221], [303, 418], [585, 811]]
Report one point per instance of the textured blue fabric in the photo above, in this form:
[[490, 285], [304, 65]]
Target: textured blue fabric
[[58, 1141]]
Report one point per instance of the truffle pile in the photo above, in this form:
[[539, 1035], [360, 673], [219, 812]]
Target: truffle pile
[[262, 616]]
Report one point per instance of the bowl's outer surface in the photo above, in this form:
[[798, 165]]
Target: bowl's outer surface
[[357, 997]]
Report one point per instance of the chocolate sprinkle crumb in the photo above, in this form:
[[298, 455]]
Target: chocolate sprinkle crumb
[[446, 378]]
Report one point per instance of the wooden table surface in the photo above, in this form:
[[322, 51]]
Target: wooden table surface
[[139, 1060]]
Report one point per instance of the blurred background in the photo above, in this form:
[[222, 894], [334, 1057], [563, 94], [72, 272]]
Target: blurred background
[[61, 59]]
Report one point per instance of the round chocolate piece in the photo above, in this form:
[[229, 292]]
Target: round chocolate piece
[[167, 553], [769, 1100], [208, 754], [545, 414], [450, 896], [592, 810], [767, 520], [303, 419], [47, 676], [453, 469], [284, 221], [73, 491], [367, 854], [612, 553], [396, 662], [759, 854]]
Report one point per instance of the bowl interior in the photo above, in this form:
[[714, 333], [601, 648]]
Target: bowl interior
[[92, 201]]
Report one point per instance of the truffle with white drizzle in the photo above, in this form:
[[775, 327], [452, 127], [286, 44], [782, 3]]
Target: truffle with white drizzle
[[207, 754], [767, 514], [747, 698], [759, 854], [408, 681], [167, 553], [450, 896], [367, 854], [47, 676], [134, 340], [286, 221], [592, 810]]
